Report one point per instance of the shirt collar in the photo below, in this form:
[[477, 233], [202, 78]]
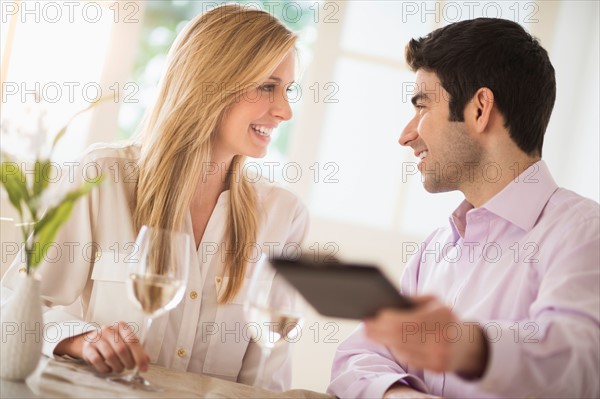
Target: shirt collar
[[458, 219], [521, 202]]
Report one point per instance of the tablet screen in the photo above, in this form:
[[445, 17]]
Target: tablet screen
[[342, 290]]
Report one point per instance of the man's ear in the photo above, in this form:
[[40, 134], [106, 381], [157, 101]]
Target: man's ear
[[481, 108]]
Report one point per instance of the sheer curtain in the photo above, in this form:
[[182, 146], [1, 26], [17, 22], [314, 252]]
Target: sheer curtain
[[68, 55]]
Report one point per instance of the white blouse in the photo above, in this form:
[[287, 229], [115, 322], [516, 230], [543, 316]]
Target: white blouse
[[83, 275]]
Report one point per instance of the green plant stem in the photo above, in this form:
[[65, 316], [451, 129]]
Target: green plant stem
[[28, 250], [28, 255]]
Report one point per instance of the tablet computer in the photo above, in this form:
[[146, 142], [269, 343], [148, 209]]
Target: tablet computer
[[351, 291]]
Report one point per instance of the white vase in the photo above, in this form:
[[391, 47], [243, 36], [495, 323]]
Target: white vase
[[22, 330]]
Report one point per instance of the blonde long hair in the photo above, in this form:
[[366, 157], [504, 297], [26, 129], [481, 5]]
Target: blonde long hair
[[215, 59]]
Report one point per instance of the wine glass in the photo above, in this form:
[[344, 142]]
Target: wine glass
[[274, 308], [158, 275]]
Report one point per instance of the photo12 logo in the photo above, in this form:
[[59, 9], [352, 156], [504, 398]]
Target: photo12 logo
[[289, 11], [70, 11], [71, 92], [454, 11]]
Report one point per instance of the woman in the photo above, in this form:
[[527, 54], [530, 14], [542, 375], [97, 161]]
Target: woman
[[223, 93]]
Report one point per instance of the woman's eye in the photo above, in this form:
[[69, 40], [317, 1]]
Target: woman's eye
[[291, 89], [269, 88]]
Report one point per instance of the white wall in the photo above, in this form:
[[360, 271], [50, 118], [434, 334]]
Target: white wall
[[567, 29]]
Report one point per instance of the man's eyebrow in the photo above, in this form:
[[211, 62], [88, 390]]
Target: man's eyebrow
[[419, 96]]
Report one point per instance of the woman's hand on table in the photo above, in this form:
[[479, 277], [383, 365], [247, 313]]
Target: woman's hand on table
[[112, 348]]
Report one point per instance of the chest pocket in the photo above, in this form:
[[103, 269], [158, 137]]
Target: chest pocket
[[232, 334], [109, 300]]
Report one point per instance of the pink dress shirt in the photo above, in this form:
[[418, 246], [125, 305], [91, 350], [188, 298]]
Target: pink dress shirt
[[526, 267]]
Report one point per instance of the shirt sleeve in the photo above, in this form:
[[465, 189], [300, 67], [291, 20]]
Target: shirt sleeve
[[362, 368], [64, 270], [556, 352]]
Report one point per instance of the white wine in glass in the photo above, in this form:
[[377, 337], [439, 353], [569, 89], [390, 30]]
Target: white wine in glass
[[153, 294], [158, 275], [275, 326], [275, 310]]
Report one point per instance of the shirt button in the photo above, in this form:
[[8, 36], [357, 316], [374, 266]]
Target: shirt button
[[193, 295], [218, 280], [22, 270], [181, 352]]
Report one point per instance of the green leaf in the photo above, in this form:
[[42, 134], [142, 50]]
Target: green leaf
[[84, 189], [46, 235], [71, 196], [63, 130], [15, 184], [41, 181], [47, 228]]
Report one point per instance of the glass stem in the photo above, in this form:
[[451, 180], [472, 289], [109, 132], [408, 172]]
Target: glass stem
[[260, 372], [142, 337]]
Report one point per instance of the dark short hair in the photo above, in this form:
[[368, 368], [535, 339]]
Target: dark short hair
[[497, 54]]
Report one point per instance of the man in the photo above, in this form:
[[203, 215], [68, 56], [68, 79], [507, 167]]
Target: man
[[508, 293]]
